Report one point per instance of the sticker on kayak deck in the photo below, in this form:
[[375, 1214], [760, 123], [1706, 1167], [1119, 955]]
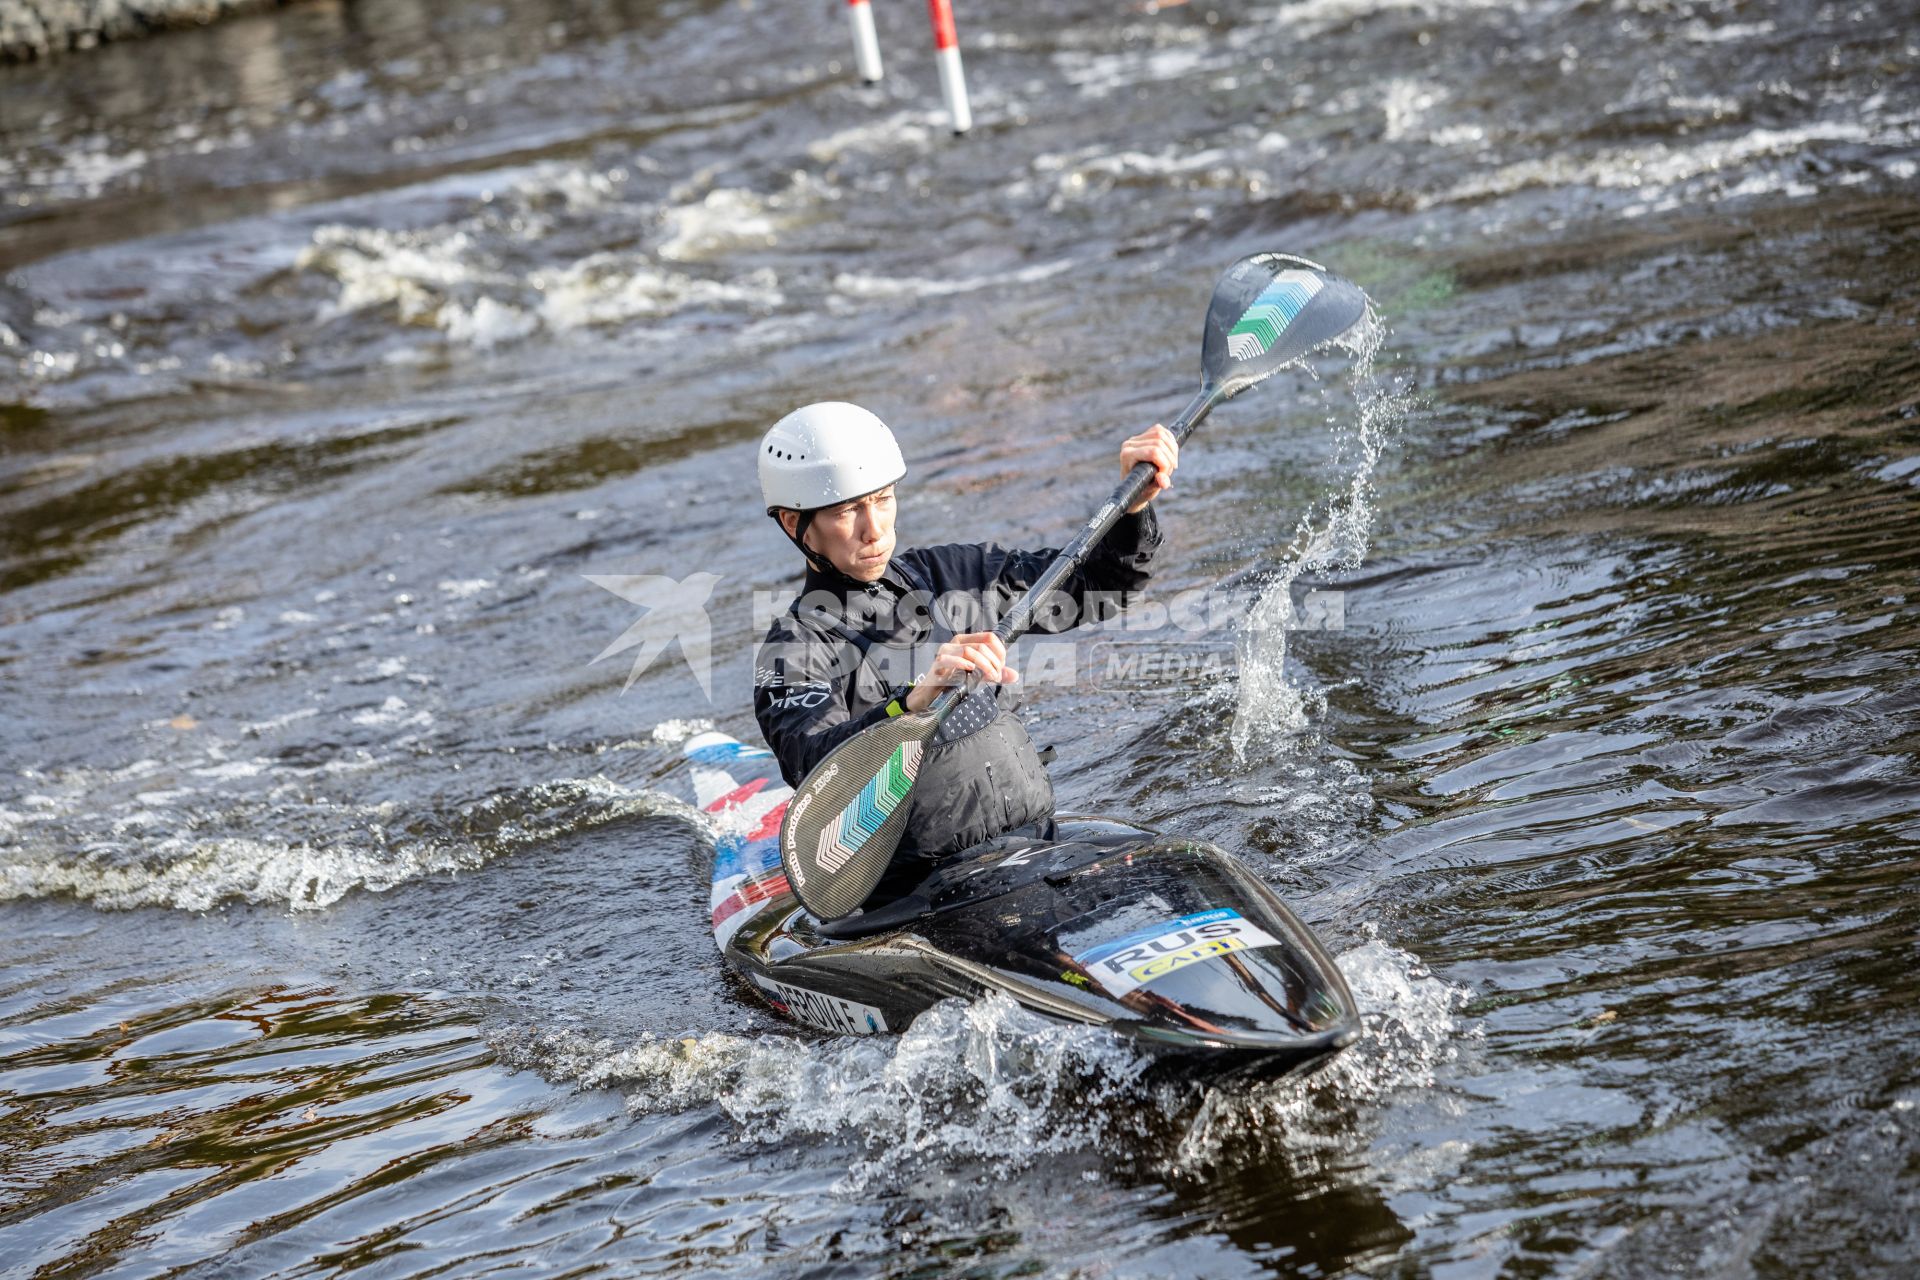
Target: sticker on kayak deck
[[1156, 951], [829, 1013]]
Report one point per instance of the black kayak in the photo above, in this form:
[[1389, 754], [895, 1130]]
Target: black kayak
[[1169, 942]]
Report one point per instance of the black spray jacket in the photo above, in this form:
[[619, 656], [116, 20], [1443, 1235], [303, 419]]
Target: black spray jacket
[[845, 654]]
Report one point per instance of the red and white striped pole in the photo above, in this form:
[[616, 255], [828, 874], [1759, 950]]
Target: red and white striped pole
[[866, 45], [946, 50]]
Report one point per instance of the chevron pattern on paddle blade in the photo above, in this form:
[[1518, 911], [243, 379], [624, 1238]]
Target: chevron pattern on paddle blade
[[871, 808], [1276, 307]]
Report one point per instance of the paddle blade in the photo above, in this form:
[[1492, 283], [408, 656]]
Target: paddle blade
[[846, 819], [1268, 311]]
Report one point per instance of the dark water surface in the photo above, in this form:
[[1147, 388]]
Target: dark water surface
[[349, 923]]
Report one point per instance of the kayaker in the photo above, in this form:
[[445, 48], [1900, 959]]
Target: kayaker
[[875, 634]]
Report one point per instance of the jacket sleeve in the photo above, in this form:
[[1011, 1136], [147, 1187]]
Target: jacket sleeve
[[1118, 566], [801, 688]]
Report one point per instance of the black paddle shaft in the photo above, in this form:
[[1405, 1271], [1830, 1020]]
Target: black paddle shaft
[[1020, 617]]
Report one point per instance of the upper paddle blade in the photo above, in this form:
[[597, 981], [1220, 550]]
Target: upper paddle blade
[[1268, 311], [846, 819]]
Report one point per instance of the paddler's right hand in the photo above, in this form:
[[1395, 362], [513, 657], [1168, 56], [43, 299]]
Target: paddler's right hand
[[980, 652]]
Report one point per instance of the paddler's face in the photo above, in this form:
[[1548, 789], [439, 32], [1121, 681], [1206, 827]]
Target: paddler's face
[[857, 536]]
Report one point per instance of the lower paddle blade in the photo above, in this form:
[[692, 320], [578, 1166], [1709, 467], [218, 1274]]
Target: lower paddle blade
[[845, 821], [1268, 311]]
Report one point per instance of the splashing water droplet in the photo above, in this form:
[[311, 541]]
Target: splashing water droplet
[[1329, 539]]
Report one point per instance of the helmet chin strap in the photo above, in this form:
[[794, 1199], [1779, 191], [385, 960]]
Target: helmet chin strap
[[818, 562]]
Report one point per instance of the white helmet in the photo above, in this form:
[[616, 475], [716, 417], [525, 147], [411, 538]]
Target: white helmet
[[824, 454]]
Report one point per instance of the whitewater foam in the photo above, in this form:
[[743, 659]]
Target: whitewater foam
[[903, 130], [1096, 75], [192, 872], [612, 288], [727, 219], [478, 280], [675, 732], [985, 1079], [988, 1080], [1414, 1026], [1658, 167], [856, 285], [1094, 172]]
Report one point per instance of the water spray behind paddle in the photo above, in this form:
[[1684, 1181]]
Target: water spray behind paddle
[[1331, 538]]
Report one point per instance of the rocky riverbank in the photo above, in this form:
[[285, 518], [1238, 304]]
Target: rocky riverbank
[[31, 29]]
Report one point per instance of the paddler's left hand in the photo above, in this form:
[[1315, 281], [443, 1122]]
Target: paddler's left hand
[[1155, 445]]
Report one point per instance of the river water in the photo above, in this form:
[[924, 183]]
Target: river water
[[351, 916]]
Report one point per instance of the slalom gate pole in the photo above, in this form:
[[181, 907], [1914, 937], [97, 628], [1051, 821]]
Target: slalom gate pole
[[866, 45], [953, 78]]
